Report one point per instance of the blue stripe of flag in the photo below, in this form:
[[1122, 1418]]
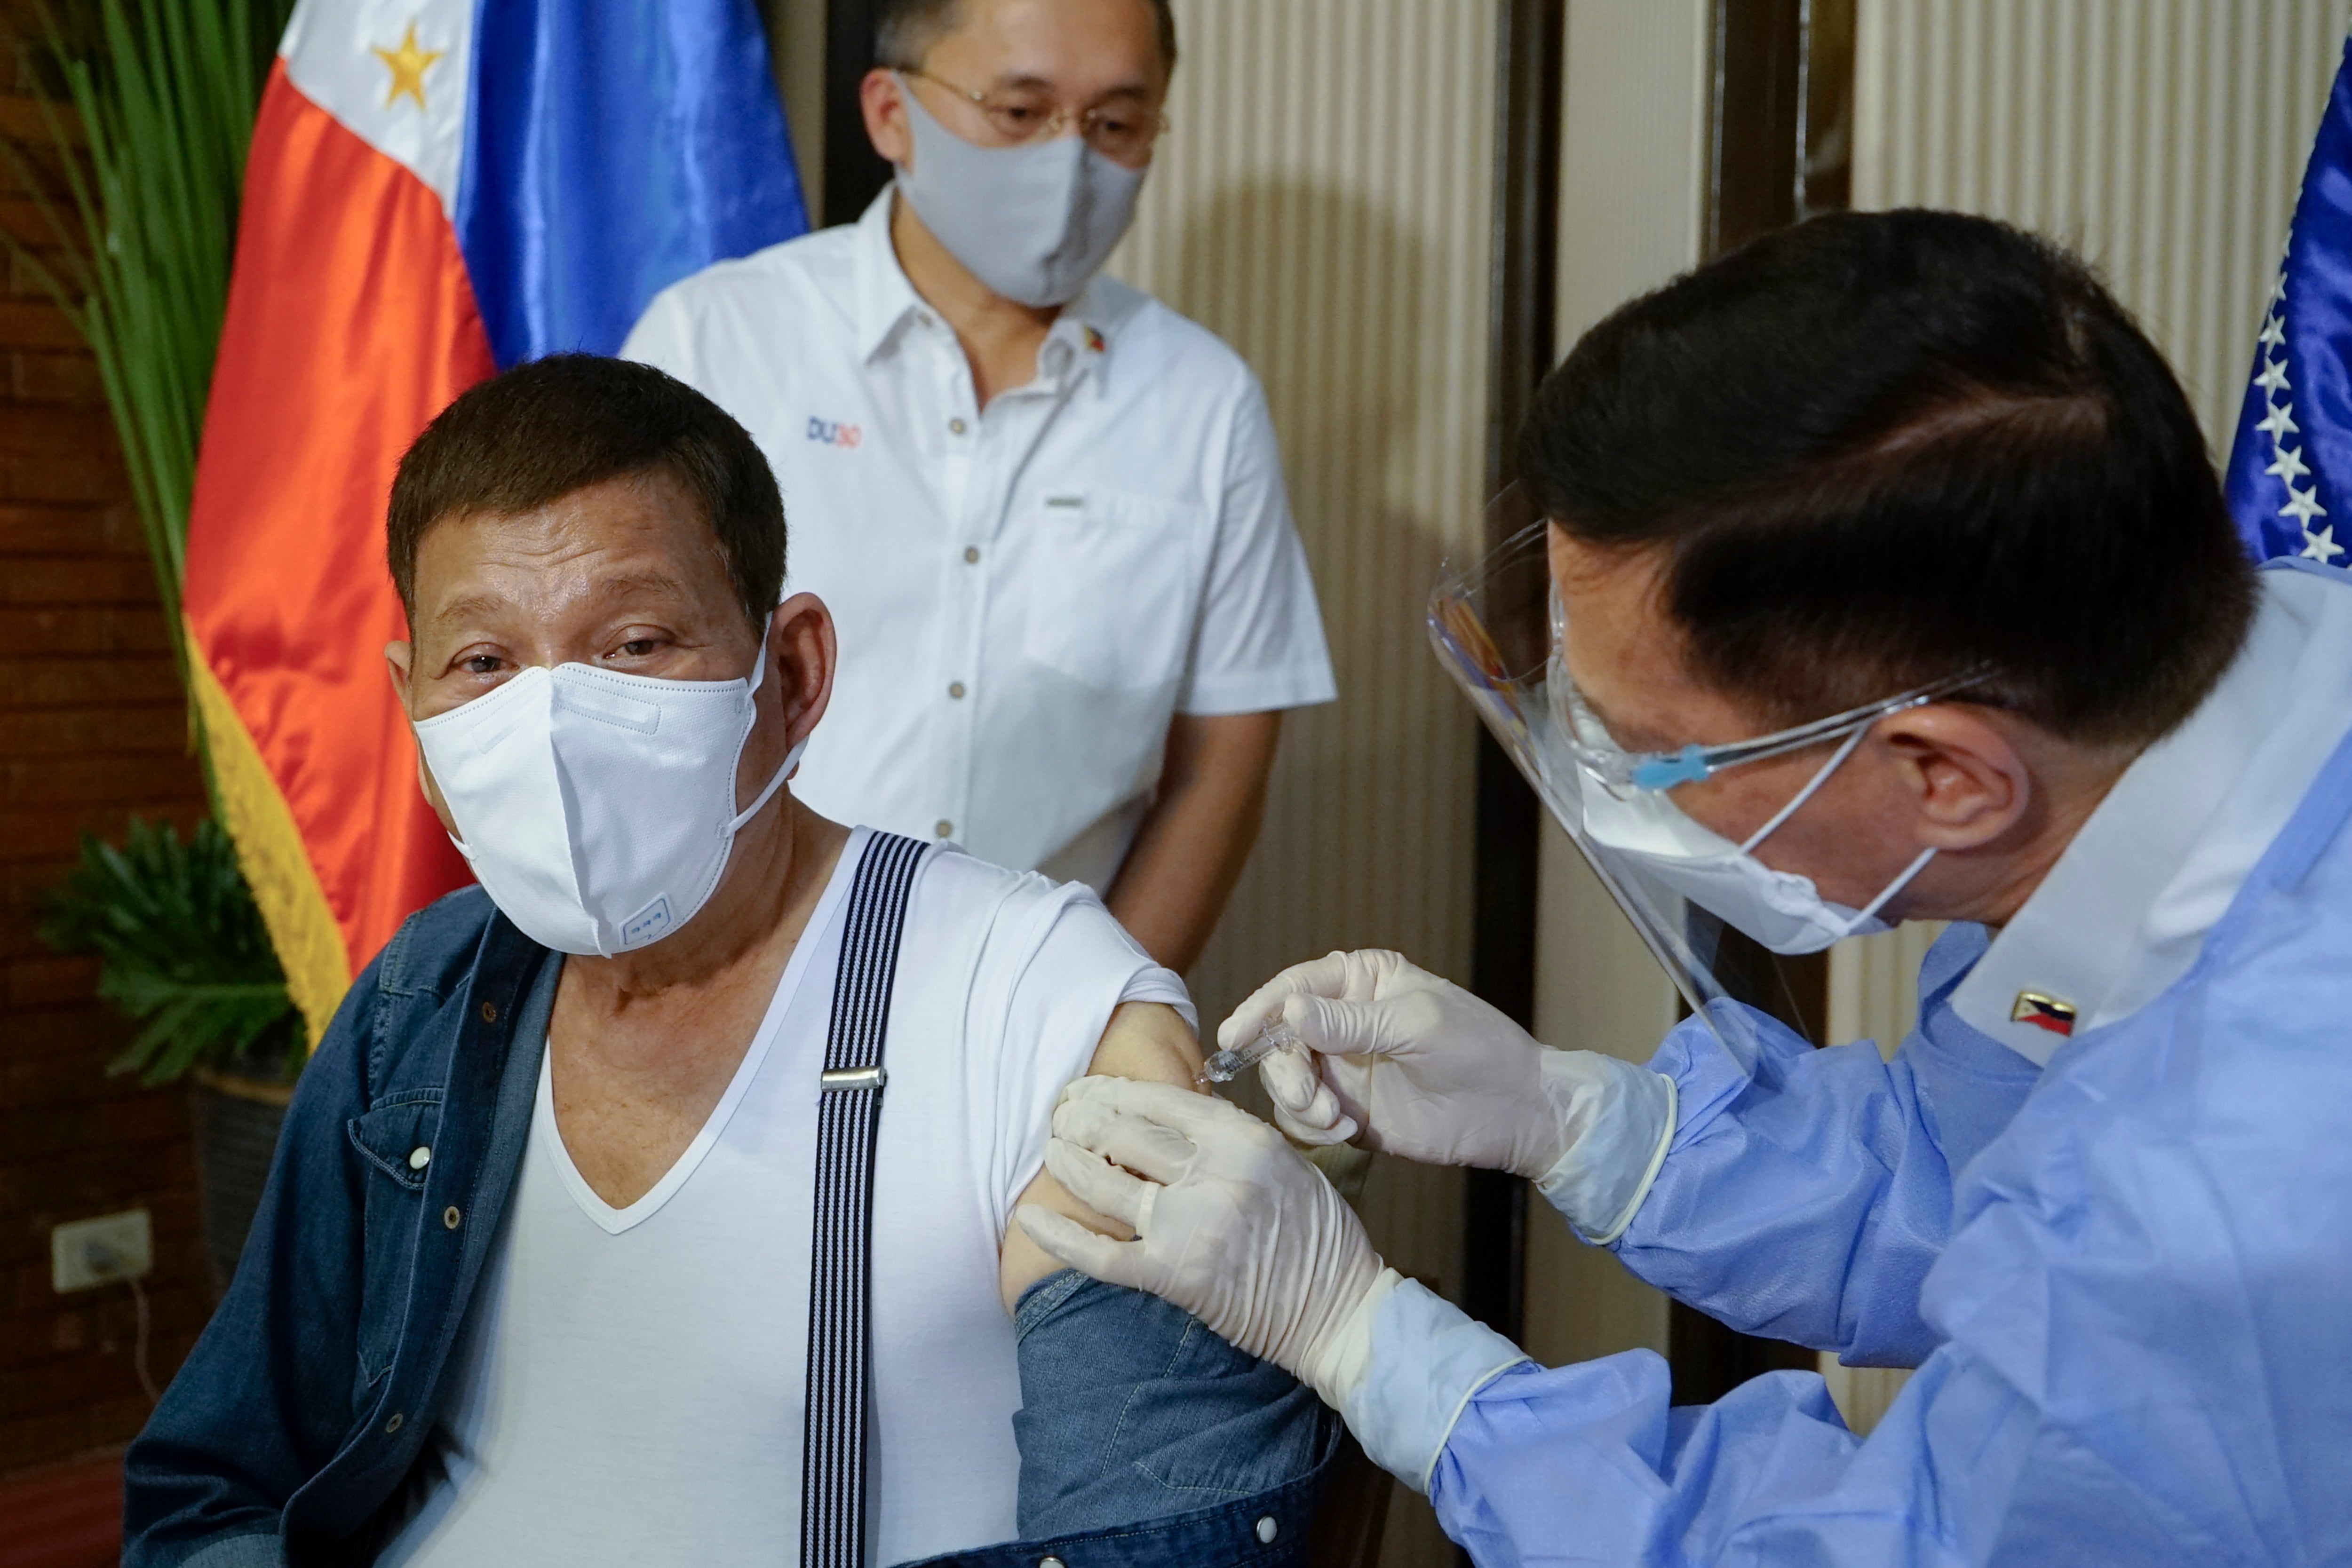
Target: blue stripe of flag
[[2292, 461], [614, 147]]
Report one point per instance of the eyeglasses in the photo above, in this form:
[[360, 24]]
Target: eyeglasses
[[1119, 129], [1500, 627]]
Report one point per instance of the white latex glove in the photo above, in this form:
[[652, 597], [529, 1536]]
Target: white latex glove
[[1231, 1224], [1407, 1064]]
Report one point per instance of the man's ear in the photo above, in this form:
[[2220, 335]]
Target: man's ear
[[399, 658], [882, 97], [400, 662], [801, 652], [1969, 781]]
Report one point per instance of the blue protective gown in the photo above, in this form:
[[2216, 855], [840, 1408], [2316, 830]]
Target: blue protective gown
[[2125, 1280]]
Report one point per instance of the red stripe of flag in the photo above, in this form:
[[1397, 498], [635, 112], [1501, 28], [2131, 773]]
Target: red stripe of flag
[[350, 323]]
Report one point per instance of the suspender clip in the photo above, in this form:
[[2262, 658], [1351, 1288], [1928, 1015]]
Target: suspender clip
[[852, 1078]]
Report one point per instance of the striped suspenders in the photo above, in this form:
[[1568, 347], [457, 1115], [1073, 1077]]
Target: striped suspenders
[[841, 1271]]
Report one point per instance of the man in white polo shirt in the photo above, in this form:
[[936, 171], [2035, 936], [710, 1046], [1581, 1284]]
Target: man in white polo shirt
[[1046, 511]]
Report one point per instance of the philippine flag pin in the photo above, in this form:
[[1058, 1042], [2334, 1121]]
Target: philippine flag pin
[[2043, 1012]]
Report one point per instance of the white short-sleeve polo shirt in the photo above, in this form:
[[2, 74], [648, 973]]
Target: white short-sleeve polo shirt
[[1025, 595]]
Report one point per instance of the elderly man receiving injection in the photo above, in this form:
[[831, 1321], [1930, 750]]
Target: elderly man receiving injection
[[671, 1165]]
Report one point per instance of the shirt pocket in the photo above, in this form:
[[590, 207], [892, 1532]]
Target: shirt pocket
[[394, 1142], [1112, 585]]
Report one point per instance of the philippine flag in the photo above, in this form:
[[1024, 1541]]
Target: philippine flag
[[436, 189]]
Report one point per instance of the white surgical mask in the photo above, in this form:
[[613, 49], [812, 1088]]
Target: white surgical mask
[[598, 808], [1031, 221], [1781, 909]]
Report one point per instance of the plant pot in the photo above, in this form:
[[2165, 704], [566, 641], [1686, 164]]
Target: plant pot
[[236, 1122]]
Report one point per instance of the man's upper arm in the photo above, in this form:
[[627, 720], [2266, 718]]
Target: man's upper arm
[[1147, 1040], [1131, 1412]]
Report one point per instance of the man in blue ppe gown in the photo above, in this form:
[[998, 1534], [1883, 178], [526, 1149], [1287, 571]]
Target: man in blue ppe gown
[[1918, 474]]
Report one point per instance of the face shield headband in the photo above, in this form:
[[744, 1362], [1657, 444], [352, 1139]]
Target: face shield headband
[[1498, 629]]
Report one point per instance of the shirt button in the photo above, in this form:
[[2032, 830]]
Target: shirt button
[[943, 828], [419, 1157], [1266, 1530], [451, 1218], [956, 690], [970, 555], [1049, 1563], [955, 427]]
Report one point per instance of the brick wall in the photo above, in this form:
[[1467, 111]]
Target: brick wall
[[92, 731]]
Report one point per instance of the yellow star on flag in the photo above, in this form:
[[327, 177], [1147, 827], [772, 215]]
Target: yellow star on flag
[[407, 64]]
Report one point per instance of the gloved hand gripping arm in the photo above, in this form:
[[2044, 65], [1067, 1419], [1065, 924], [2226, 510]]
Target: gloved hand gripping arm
[[1405, 1062], [1233, 1226]]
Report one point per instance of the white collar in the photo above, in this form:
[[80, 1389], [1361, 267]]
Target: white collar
[[1078, 342], [2122, 914]]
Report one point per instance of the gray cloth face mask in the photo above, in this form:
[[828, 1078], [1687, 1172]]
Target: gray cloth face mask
[[1032, 221]]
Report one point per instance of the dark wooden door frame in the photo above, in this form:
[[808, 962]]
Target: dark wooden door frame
[[854, 172], [1779, 140], [1780, 125], [1530, 36]]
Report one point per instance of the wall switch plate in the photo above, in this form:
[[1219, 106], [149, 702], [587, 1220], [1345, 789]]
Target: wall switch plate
[[92, 1252]]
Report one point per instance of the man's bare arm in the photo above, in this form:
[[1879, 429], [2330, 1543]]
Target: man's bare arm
[[1144, 1040], [1192, 843]]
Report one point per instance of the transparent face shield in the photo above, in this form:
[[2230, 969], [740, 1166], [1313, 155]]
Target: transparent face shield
[[1498, 628]]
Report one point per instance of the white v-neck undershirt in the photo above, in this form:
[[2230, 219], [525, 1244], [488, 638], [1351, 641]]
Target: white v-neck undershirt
[[822, 931], [630, 1386]]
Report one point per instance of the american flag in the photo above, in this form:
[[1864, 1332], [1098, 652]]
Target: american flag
[[2290, 473]]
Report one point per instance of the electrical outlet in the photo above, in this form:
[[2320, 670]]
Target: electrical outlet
[[92, 1252]]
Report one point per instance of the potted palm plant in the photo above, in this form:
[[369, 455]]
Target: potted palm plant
[[182, 948], [148, 108]]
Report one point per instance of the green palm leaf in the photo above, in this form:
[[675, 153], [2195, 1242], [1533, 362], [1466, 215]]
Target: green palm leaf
[[148, 111], [182, 947], [143, 205]]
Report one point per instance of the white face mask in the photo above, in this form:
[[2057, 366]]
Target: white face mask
[[1032, 221], [1781, 909], [597, 809]]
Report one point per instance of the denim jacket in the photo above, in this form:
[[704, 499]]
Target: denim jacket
[[292, 1434]]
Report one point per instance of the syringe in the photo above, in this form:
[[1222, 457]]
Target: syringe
[[1223, 1066]]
